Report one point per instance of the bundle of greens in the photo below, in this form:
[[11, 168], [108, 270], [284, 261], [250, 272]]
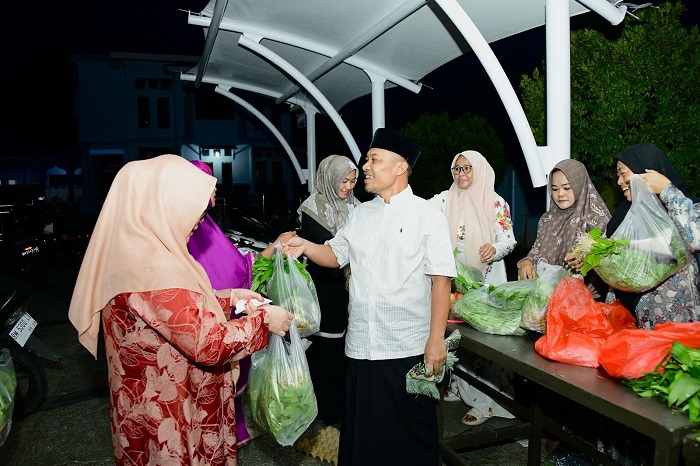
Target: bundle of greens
[[511, 295], [476, 309], [676, 380], [468, 278], [537, 302], [282, 398], [630, 266], [292, 288], [8, 386], [285, 404], [262, 271]]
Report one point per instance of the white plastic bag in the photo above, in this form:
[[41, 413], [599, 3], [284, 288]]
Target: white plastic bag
[[282, 398], [656, 250], [537, 302], [296, 293]]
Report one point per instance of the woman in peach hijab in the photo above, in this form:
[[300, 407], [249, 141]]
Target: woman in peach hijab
[[167, 338]]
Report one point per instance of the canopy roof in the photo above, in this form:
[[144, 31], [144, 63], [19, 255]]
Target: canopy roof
[[323, 54], [307, 33]]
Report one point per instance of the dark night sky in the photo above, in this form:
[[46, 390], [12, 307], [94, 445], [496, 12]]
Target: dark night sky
[[36, 84]]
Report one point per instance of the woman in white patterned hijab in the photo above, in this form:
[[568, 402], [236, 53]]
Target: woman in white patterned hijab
[[332, 199]]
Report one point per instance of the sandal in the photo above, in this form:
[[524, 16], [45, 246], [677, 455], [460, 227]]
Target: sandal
[[477, 417]]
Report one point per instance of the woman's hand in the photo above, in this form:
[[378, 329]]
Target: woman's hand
[[487, 253], [656, 181], [279, 319], [526, 270], [295, 245], [242, 293], [573, 263]]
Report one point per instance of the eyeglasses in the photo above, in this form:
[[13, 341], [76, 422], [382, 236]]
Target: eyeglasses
[[467, 169]]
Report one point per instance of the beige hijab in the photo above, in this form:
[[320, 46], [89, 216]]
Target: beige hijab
[[140, 240], [474, 207]]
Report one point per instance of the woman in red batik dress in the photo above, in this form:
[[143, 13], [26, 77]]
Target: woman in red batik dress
[[167, 338]]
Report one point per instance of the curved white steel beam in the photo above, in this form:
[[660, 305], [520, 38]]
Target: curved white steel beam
[[510, 100], [281, 63], [247, 87], [311, 46], [404, 10], [270, 126]]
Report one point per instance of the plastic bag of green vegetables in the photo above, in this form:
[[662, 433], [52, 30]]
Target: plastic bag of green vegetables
[[8, 387], [537, 302], [281, 394], [295, 292], [477, 309], [467, 278], [511, 295], [642, 252]]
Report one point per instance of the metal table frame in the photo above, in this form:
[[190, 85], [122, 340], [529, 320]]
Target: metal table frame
[[591, 388]]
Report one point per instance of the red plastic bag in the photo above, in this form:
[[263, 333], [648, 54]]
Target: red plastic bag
[[633, 353], [578, 325]]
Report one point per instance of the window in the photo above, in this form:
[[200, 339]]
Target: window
[[163, 112], [153, 103], [143, 105]]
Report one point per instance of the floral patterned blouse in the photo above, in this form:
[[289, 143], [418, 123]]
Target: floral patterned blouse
[[678, 298], [684, 214], [504, 242], [170, 382]]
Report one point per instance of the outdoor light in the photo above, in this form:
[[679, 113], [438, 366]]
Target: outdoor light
[[217, 153], [614, 14]]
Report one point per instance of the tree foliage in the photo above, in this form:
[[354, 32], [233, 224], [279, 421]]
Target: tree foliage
[[639, 87], [440, 138]]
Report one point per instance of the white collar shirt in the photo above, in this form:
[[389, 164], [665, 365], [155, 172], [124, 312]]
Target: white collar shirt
[[392, 249]]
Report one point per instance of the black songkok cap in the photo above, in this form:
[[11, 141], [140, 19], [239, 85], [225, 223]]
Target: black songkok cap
[[395, 142]]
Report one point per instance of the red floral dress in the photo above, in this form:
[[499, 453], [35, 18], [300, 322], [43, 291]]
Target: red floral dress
[[171, 387]]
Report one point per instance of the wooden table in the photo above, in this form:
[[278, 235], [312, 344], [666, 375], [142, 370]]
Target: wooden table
[[592, 388]]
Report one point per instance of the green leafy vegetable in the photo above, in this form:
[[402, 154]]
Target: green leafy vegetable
[[593, 246], [676, 380], [476, 310], [8, 386], [468, 278], [262, 271]]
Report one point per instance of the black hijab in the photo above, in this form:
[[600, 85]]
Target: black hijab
[[639, 158]]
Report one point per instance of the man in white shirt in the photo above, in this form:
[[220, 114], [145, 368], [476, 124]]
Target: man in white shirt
[[400, 255]]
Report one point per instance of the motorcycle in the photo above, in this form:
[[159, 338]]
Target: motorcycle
[[22, 246], [26, 350]]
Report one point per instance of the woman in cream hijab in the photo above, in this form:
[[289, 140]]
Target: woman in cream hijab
[[482, 234], [479, 219], [167, 338]]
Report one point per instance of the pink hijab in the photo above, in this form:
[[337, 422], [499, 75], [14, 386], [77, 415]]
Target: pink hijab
[[140, 240], [474, 207]]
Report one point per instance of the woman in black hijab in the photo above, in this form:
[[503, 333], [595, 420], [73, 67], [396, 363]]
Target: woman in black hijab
[[678, 298]]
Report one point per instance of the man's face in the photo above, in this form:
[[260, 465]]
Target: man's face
[[380, 170]]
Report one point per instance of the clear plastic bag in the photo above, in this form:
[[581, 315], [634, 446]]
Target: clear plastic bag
[[467, 278], [291, 290], [477, 309], [656, 250], [8, 387], [537, 302], [282, 398]]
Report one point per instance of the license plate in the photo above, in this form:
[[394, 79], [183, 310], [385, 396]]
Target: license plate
[[23, 329]]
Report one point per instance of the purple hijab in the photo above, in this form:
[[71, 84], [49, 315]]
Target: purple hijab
[[223, 262]]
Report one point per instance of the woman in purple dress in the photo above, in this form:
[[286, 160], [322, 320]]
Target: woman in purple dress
[[227, 267]]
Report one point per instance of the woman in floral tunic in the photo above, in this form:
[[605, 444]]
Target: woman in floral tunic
[[167, 338], [678, 298], [482, 235]]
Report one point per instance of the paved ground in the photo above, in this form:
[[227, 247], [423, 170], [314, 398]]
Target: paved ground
[[72, 428]]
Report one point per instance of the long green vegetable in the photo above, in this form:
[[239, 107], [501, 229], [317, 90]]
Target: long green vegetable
[[676, 380], [262, 271], [475, 310]]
